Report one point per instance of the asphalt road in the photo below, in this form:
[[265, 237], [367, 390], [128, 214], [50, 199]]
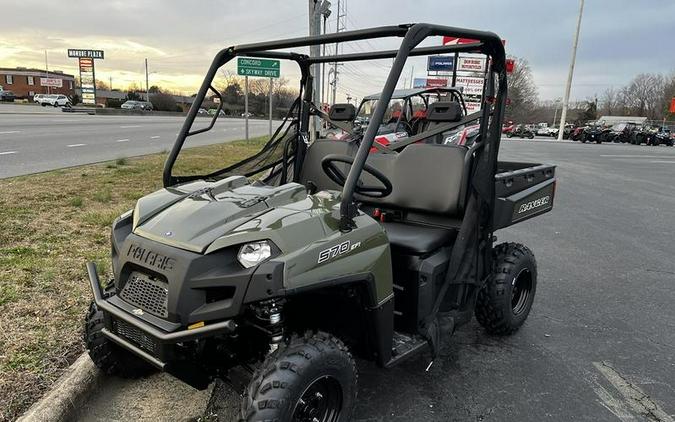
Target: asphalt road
[[599, 344], [44, 140]]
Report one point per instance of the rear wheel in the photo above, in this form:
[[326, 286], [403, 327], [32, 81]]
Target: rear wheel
[[108, 356], [311, 379], [505, 301]]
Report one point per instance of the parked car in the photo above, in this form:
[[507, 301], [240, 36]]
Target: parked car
[[249, 114], [553, 132], [37, 98], [547, 131], [137, 105], [55, 100], [7, 96], [202, 111]]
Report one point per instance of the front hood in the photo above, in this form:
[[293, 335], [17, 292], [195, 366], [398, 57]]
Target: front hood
[[193, 216]]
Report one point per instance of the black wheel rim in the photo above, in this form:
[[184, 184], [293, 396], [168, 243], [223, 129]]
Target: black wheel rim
[[320, 402], [520, 291]]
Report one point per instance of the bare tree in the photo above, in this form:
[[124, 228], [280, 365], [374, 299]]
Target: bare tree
[[609, 101], [522, 92]]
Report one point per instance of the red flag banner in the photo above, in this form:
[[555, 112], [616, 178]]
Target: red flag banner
[[672, 105]]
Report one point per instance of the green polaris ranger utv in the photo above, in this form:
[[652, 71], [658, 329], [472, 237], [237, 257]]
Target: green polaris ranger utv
[[312, 251]]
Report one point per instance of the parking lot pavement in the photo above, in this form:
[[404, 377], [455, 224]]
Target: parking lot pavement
[[31, 143], [598, 345]]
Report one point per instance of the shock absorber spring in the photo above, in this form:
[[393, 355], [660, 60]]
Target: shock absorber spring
[[270, 315]]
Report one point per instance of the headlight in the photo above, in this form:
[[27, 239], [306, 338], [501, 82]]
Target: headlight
[[252, 254]]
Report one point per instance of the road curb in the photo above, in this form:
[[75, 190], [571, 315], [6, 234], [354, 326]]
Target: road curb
[[67, 395]]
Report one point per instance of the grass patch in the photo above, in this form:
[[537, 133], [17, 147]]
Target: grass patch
[[103, 196], [76, 201], [47, 234]]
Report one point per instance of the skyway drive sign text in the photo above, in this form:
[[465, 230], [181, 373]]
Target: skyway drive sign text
[[77, 53], [258, 67]]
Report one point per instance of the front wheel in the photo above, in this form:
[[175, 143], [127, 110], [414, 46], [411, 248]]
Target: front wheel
[[312, 378], [108, 356], [505, 301]]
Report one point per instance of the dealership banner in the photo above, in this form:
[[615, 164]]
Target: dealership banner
[[471, 64], [52, 82], [471, 85], [430, 83], [440, 63], [472, 106]]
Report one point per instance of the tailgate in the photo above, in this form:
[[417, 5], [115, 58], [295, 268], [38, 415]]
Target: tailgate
[[523, 190]]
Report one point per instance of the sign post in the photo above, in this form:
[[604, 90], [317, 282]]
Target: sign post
[[265, 68], [246, 105], [87, 72], [271, 81]]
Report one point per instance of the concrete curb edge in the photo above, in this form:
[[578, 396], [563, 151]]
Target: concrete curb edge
[[63, 400]]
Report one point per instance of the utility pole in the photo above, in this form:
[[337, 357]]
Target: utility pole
[[314, 51], [339, 26], [555, 115], [568, 87], [47, 69], [326, 13], [147, 88], [111, 83]]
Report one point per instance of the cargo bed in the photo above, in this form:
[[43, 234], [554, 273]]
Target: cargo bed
[[523, 191]]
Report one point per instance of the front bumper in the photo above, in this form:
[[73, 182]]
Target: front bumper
[[169, 334]]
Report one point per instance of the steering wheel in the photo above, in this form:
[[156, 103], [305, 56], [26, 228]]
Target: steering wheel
[[328, 164]]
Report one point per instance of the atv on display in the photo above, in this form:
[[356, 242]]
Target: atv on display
[[312, 251], [594, 133], [521, 131], [663, 137]]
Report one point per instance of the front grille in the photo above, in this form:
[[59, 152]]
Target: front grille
[[148, 294], [135, 335]]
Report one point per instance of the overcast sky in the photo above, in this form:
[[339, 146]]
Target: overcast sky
[[619, 38]]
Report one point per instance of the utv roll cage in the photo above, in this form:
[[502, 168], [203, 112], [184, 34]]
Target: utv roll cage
[[490, 117]]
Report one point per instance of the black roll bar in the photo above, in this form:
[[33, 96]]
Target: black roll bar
[[487, 43]]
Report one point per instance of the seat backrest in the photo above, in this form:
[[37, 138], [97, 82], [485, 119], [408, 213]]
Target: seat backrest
[[311, 172], [440, 113], [426, 178]]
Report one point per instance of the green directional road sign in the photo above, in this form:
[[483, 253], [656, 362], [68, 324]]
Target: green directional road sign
[[258, 67]]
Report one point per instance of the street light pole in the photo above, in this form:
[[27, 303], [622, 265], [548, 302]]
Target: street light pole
[[147, 89], [568, 87]]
